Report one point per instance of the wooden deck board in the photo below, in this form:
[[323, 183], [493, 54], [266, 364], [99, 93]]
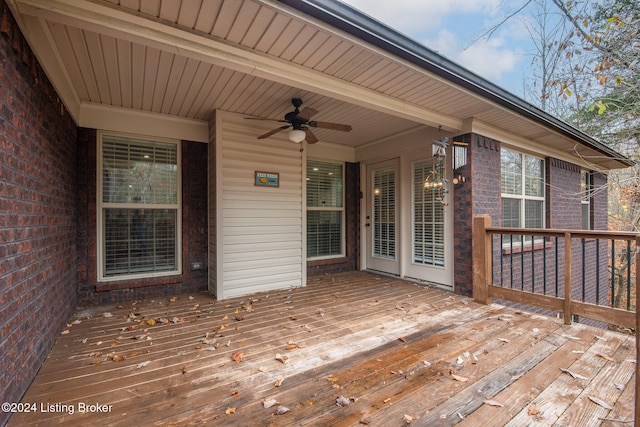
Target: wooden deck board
[[358, 335]]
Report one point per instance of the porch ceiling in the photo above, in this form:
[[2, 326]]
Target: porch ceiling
[[187, 58]]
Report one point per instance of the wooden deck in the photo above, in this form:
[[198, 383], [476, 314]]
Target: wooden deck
[[393, 352]]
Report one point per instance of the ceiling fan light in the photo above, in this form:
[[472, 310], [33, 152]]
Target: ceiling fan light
[[297, 136]]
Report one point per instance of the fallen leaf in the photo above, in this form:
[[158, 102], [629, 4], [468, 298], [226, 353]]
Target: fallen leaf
[[282, 358], [65, 332], [184, 370], [107, 315], [117, 358], [573, 374], [280, 410], [278, 382], [291, 347], [190, 297], [332, 379], [533, 409], [84, 340], [230, 411], [239, 317], [600, 402], [459, 378], [342, 401], [235, 394], [402, 339], [493, 403], [503, 340], [237, 356], [173, 299], [151, 322], [607, 358], [268, 403], [142, 364]]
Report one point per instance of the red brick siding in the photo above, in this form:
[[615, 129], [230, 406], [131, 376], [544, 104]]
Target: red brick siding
[[38, 214], [194, 231], [478, 195]]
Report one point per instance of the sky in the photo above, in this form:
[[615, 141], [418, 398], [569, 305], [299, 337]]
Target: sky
[[451, 27]]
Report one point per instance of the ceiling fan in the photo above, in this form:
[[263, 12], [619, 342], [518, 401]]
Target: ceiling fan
[[300, 122]]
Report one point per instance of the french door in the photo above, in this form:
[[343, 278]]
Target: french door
[[381, 217]]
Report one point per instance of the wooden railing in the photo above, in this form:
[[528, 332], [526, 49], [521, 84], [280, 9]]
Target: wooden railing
[[490, 247]]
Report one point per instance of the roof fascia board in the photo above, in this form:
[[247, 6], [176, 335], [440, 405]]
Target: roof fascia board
[[582, 157], [108, 20], [362, 26]]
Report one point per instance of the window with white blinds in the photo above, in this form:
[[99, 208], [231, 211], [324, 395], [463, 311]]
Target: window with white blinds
[[325, 210], [138, 207], [428, 217]]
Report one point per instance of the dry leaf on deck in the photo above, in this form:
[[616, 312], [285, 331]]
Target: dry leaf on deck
[[282, 358], [190, 297], [533, 409], [173, 299], [493, 403], [573, 374], [291, 346], [408, 419], [230, 411], [268, 403], [278, 382], [600, 402], [237, 356], [281, 410], [107, 314], [184, 370], [142, 364], [607, 358], [65, 332], [117, 358], [459, 378], [342, 401]]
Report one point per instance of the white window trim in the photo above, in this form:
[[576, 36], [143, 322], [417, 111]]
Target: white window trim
[[100, 206], [523, 197], [343, 239], [588, 193]]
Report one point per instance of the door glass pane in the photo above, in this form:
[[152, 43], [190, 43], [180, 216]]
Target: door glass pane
[[428, 218], [384, 215]]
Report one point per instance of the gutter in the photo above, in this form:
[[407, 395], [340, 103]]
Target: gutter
[[353, 22]]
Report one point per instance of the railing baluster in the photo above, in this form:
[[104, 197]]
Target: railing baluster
[[522, 262], [544, 266], [613, 272], [584, 271], [567, 278], [597, 271], [628, 275]]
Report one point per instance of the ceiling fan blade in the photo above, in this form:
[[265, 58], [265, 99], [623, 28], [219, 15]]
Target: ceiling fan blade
[[273, 132], [311, 138], [332, 126], [307, 112]]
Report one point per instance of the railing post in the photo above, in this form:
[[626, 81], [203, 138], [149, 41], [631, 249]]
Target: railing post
[[637, 405], [567, 278], [482, 256]]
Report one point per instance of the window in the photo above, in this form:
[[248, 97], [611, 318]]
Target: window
[[325, 211], [522, 180], [138, 207], [428, 217], [585, 199]]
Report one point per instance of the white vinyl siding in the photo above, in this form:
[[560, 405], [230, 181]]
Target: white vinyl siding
[[259, 231], [138, 207]]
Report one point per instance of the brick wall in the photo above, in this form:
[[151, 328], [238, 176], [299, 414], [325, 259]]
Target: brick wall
[[194, 231], [478, 195], [352, 223], [37, 214]]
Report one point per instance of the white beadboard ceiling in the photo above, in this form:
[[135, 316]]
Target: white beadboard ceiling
[[187, 58]]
